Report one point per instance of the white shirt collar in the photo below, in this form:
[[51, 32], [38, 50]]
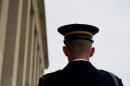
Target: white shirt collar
[[80, 59]]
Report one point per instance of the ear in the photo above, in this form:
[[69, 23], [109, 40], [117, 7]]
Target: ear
[[92, 51], [65, 50]]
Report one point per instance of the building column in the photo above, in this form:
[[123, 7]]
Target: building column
[[3, 23], [10, 39], [35, 61], [32, 52], [27, 40], [29, 50], [17, 45], [0, 7], [38, 61], [23, 45]]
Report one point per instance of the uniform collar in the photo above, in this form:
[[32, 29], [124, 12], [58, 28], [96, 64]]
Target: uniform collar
[[77, 65]]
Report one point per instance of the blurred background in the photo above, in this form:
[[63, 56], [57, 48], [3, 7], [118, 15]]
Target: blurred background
[[112, 43]]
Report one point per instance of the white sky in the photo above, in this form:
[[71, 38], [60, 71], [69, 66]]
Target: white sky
[[112, 43]]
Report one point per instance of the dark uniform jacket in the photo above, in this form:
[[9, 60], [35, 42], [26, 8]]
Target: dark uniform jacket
[[78, 73]]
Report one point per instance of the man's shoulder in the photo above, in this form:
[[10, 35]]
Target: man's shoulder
[[117, 81], [109, 73], [52, 74]]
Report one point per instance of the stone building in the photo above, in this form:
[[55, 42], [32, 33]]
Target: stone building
[[23, 42]]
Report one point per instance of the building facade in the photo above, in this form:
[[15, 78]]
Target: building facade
[[23, 42]]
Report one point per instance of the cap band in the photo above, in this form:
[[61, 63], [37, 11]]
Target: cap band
[[75, 32]]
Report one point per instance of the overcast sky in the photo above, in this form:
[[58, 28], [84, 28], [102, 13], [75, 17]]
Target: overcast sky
[[112, 43]]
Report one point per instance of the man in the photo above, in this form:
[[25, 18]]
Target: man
[[78, 39]]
